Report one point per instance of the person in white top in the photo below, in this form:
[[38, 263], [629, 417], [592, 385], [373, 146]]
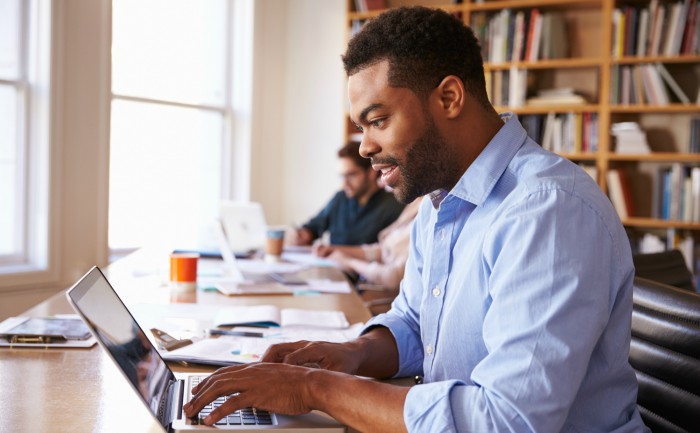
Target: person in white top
[[381, 263]]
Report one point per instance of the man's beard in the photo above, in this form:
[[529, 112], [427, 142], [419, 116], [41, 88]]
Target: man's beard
[[429, 166]]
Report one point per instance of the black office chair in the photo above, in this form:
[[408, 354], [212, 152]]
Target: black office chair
[[665, 354], [667, 267]]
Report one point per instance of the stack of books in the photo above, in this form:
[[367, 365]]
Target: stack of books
[[629, 138], [560, 96]]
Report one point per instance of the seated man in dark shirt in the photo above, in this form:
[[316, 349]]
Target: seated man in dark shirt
[[357, 214]]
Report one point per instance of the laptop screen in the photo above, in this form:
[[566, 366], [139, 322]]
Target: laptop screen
[[125, 341]]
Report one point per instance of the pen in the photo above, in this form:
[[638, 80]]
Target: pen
[[235, 333]]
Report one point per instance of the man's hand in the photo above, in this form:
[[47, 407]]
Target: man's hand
[[286, 388], [300, 236], [322, 250], [278, 388], [373, 354], [317, 354]]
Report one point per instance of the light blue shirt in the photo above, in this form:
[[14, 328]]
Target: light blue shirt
[[516, 301]]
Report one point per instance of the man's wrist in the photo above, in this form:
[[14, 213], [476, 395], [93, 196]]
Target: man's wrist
[[315, 384]]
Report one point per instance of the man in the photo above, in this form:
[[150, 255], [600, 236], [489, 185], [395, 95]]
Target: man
[[357, 214], [516, 300]]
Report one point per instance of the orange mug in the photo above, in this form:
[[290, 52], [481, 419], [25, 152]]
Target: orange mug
[[183, 272]]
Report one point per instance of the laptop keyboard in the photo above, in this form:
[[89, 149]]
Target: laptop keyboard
[[246, 416]]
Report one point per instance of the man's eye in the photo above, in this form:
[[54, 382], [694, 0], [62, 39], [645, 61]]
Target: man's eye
[[377, 123], [359, 128]]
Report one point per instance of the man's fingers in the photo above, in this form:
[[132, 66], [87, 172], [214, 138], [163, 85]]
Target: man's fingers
[[231, 404], [209, 392], [278, 352]]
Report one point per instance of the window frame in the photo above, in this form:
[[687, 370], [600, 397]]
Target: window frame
[[235, 108], [34, 263]]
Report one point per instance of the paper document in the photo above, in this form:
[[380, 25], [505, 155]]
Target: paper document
[[270, 315], [228, 350]]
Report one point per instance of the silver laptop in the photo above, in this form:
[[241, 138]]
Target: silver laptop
[[244, 224], [161, 390]]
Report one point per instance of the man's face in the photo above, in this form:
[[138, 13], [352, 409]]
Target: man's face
[[399, 135], [357, 181]]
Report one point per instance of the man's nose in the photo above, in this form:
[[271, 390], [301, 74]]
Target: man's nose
[[368, 146]]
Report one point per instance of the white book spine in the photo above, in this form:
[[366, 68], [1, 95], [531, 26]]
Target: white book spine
[[537, 35], [616, 193], [671, 29], [695, 186], [642, 32], [687, 200], [658, 29]]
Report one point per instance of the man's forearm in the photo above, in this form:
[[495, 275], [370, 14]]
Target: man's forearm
[[378, 352], [363, 404]]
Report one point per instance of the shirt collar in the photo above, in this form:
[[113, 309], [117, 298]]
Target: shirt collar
[[481, 176]]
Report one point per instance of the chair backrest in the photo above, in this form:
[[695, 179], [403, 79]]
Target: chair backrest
[[665, 354], [666, 267]]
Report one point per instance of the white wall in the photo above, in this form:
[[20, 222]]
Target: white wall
[[298, 106]]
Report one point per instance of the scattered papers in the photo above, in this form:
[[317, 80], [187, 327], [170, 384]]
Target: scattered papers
[[227, 350]]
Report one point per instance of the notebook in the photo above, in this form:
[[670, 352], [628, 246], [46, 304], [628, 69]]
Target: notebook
[[244, 224], [162, 391]]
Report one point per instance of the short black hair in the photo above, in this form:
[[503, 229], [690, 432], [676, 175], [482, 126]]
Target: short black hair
[[423, 46], [352, 151]]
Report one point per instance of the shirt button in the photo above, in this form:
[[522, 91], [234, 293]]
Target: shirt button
[[429, 349], [442, 235], [436, 292]]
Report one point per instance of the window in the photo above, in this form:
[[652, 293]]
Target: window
[[171, 119], [24, 101]]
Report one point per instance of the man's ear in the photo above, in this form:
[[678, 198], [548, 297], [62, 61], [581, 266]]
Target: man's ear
[[451, 96]]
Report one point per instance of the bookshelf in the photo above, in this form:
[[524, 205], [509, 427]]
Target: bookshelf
[[590, 67]]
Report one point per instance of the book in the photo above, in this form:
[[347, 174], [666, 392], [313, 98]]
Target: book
[[561, 96], [373, 5], [519, 36], [642, 33], [672, 84], [272, 316], [695, 192], [629, 138], [619, 193], [657, 28], [532, 45], [653, 10]]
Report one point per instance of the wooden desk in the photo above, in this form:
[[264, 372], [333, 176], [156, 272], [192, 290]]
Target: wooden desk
[[80, 390]]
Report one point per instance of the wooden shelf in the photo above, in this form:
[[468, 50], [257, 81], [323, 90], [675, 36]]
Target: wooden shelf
[[523, 4], [547, 64], [371, 14], [671, 108], [580, 156], [653, 223], [530, 109], [656, 157], [693, 58]]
